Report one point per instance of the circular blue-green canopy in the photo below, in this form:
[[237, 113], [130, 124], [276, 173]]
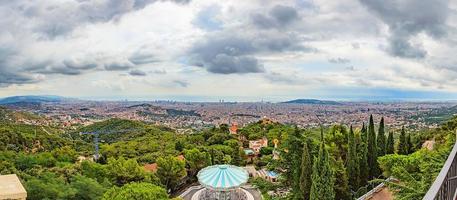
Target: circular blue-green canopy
[[222, 177]]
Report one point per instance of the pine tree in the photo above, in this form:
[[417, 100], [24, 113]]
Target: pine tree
[[402, 146], [322, 177], [352, 162], [306, 172], [390, 143], [381, 139], [372, 150]]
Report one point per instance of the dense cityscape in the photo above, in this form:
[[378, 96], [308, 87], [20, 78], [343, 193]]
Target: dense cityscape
[[197, 115]]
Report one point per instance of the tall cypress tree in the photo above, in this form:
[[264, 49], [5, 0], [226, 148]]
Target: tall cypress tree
[[390, 143], [342, 191], [409, 144], [363, 163], [372, 150], [364, 132], [381, 139], [293, 160], [352, 162], [306, 172], [362, 154], [322, 177], [402, 146]]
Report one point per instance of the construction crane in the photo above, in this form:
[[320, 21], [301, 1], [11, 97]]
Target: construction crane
[[96, 138]]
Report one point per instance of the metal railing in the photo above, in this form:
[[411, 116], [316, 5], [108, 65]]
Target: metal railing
[[445, 185]]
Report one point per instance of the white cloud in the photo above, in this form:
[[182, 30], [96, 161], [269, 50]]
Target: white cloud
[[44, 49]]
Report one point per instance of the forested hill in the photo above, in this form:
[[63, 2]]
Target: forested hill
[[18, 136], [115, 130], [438, 115], [31, 99], [7, 115]]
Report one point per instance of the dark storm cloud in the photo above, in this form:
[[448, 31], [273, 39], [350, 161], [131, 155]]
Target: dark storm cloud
[[279, 16], [118, 66], [79, 65], [48, 67], [401, 47], [339, 60], [407, 18], [280, 43], [228, 53], [73, 66], [8, 78], [181, 83], [137, 72], [226, 64], [284, 14], [139, 58], [60, 70], [8, 74], [219, 44], [262, 21]]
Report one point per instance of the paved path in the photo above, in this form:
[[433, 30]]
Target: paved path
[[249, 196], [197, 194], [187, 195]]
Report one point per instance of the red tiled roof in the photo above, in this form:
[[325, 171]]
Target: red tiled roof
[[150, 167], [153, 167], [234, 128]]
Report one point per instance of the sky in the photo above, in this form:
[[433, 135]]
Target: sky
[[206, 50]]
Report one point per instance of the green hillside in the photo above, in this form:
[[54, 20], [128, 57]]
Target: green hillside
[[6, 115]]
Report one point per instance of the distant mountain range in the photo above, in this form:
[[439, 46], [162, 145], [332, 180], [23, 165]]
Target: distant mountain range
[[313, 101], [38, 99], [33, 99]]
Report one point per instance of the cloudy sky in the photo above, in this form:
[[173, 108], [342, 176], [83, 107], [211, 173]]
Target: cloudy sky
[[203, 50]]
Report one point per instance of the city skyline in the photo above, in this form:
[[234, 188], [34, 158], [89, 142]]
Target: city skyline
[[231, 50]]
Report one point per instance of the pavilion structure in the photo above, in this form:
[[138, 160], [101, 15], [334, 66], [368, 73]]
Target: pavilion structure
[[222, 182]]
